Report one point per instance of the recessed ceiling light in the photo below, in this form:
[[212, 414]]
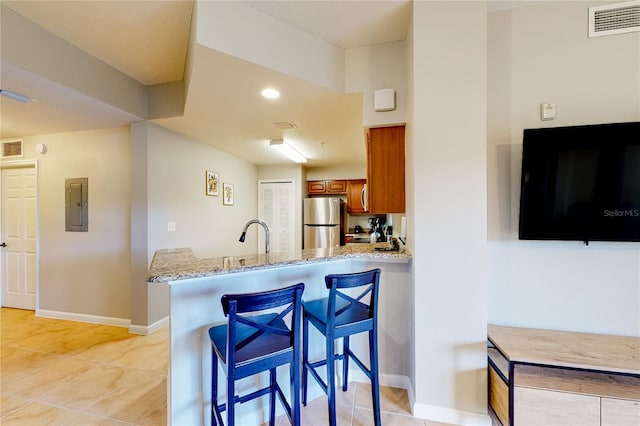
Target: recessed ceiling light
[[270, 93]]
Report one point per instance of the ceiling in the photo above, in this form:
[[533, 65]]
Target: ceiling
[[148, 41]]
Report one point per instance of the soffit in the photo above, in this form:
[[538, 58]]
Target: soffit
[[344, 23], [146, 40]]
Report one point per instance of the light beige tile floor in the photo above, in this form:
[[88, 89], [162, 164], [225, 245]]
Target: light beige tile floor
[[55, 372]]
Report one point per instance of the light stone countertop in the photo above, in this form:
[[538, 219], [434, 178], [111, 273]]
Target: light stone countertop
[[181, 264]]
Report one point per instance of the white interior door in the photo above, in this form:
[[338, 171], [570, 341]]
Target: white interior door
[[277, 210], [18, 237]]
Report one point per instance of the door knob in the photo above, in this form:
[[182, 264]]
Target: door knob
[[3, 245]]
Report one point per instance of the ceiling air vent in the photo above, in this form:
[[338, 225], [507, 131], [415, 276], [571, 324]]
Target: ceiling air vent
[[12, 148], [285, 125], [615, 18]]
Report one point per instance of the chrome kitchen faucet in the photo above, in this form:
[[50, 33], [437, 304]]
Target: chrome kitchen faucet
[[266, 232]]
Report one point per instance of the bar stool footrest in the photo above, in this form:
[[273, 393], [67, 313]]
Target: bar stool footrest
[[359, 363]]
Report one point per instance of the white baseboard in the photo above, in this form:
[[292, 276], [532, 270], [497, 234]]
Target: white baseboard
[[449, 415], [392, 380], [93, 319], [395, 381], [148, 329]]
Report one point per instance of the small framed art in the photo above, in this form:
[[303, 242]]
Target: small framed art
[[227, 194], [211, 182]]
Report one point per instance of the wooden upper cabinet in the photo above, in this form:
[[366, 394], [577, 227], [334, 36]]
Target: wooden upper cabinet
[[385, 170], [356, 196], [336, 187], [316, 187], [326, 187]]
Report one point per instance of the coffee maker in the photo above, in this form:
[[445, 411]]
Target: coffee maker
[[376, 227]]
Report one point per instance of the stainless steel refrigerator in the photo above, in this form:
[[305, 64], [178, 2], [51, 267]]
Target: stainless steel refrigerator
[[323, 222]]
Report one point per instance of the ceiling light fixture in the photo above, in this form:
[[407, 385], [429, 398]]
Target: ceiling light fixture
[[270, 93], [15, 96], [287, 150]]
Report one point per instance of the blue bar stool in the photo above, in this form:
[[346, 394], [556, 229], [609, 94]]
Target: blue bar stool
[[250, 344], [341, 315]]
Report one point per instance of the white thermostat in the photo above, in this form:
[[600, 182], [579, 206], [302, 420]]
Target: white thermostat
[[384, 100]]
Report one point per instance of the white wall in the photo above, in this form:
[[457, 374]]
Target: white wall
[[138, 181], [556, 285], [341, 171], [176, 193], [84, 272], [244, 32], [381, 66], [169, 186], [446, 201], [32, 48]]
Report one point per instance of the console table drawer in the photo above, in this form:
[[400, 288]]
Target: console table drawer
[[619, 412], [544, 407]]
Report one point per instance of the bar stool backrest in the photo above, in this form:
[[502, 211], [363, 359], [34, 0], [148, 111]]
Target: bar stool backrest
[[347, 313], [277, 330]]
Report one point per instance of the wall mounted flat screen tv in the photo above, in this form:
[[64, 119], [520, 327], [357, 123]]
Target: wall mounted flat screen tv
[[581, 183]]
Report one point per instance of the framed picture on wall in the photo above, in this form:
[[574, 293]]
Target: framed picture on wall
[[227, 194], [211, 182]]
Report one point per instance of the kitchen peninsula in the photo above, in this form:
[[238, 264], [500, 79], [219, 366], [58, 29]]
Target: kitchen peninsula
[[196, 285]]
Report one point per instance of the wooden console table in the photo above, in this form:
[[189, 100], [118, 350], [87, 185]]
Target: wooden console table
[[543, 377]]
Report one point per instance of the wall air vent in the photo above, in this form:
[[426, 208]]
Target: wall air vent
[[12, 148], [615, 18]]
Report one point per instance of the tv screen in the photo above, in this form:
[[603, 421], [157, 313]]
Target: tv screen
[[581, 183]]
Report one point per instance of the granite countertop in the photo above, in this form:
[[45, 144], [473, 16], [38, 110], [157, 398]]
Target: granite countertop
[[181, 263]]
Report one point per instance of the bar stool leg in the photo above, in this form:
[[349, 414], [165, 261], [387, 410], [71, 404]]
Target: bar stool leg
[[295, 391], [214, 387], [272, 397], [345, 363], [375, 381], [231, 392], [305, 357], [331, 379]]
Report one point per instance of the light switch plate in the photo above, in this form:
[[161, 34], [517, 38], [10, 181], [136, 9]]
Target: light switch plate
[[547, 111], [171, 226]]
